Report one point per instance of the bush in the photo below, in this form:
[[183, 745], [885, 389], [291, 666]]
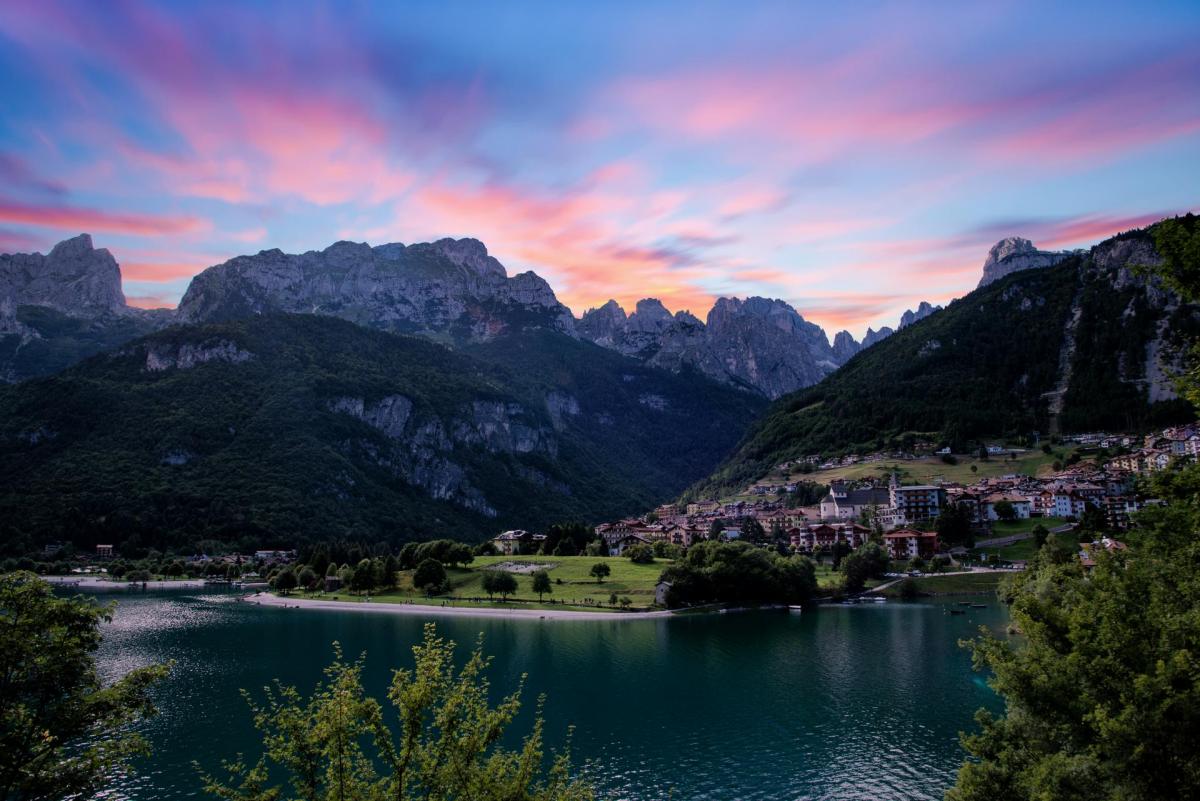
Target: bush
[[640, 554], [908, 589]]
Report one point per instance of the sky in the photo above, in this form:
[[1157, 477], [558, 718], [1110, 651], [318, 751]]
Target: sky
[[851, 158]]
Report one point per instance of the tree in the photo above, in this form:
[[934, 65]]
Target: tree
[[739, 572], [626, 602], [612, 599], [715, 529], [1040, 533], [307, 578], [285, 580], [448, 741], [752, 531], [908, 590], [953, 525], [1004, 510], [600, 571], [363, 578], [499, 581], [505, 583], [63, 732], [541, 582], [869, 561], [1101, 694], [430, 577], [640, 554], [597, 548], [917, 564], [666, 550]]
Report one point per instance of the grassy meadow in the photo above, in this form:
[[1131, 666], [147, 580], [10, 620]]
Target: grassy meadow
[[573, 586]]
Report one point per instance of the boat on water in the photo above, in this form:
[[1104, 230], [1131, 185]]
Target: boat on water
[[979, 606], [957, 611], [795, 610], [964, 603]]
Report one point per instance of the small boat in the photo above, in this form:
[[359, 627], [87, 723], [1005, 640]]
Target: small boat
[[964, 603], [979, 606], [879, 599], [795, 610], [957, 611]]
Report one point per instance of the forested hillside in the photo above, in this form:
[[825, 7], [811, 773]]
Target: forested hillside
[[281, 429]]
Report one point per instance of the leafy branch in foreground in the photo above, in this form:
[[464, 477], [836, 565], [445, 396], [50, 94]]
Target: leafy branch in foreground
[[62, 732], [337, 745]]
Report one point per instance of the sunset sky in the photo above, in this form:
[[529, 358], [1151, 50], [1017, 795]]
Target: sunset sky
[[850, 158]]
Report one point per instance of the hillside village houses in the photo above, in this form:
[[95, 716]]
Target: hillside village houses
[[851, 511]]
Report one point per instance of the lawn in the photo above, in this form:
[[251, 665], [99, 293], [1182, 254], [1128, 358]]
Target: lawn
[[953, 585], [1019, 551], [572, 584], [928, 470], [578, 589]]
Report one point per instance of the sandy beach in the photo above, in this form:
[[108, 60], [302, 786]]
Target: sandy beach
[[426, 610]]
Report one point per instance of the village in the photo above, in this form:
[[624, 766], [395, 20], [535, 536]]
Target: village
[[904, 516]]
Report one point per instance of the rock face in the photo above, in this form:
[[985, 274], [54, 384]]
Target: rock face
[[1014, 254], [757, 343], [446, 287], [62, 307], [74, 278], [424, 445], [923, 310]]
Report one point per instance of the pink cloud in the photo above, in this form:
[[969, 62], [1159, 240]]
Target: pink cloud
[[80, 219], [150, 302]]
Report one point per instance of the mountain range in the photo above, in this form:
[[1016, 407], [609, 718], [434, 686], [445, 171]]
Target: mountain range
[[59, 308], [396, 392], [1049, 343]]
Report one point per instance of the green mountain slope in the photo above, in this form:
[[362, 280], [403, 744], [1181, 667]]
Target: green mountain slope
[[1089, 330], [281, 429], [43, 341]]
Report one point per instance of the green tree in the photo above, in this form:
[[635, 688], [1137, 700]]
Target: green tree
[[752, 531], [640, 554], [1040, 533], [430, 577], [869, 561], [542, 583], [1005, 510], [448, 741], [63, 732], [504, 583], [1102, 691], [600, 571], [307, 577], [953, 525], [363, 578], [285, 580]]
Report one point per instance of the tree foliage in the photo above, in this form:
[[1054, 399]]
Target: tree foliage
[[869, 561], [62, 732], [1102, 692], [448, 743], [739, 572]]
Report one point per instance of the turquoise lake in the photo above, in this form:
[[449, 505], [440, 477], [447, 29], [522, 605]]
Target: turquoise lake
[[862, 702]]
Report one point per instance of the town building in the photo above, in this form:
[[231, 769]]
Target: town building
[[905, 543]]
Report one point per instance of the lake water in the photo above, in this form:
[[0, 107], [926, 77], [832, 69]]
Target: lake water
[[860, 702]]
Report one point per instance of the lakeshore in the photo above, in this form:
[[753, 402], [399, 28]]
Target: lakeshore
[[413, 608]]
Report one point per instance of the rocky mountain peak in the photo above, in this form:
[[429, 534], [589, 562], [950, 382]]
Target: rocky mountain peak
[[470, 253], [844, 346], [74, 278], [924, 309], [449, 286], [1013, 254]]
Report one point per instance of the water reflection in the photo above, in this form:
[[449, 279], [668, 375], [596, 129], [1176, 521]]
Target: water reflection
[[843, 703]]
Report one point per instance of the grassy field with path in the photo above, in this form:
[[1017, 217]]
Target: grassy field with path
[[577, 590]]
